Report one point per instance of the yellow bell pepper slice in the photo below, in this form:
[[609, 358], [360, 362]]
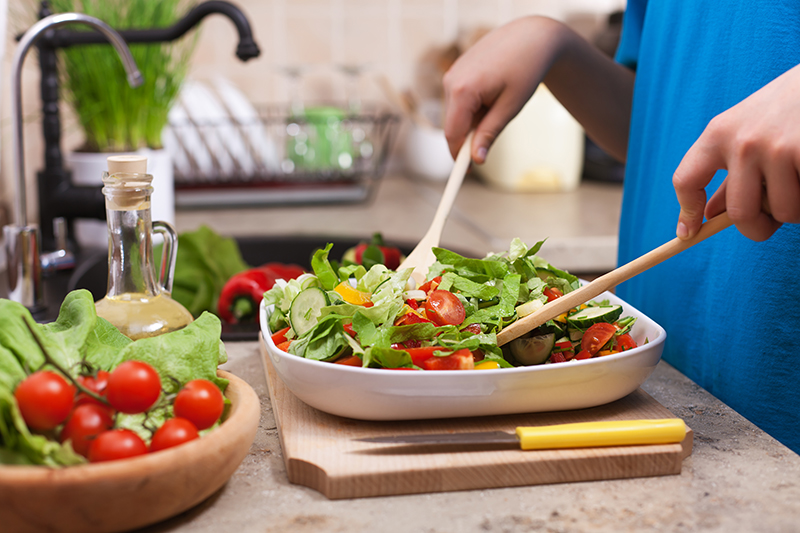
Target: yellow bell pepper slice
[[351, 295], [487, 365]]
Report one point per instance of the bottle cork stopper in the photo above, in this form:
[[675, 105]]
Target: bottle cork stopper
[[128, 164]]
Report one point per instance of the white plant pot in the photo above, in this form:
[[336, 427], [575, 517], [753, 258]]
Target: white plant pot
[[87, 169]]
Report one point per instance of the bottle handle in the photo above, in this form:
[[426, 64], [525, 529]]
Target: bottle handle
[[169, 253]]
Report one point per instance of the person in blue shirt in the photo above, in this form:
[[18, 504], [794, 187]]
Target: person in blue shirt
[[702, 99]]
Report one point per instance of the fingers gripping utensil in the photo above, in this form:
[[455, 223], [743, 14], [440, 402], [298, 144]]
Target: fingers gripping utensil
[[609, 280], [421, 257]]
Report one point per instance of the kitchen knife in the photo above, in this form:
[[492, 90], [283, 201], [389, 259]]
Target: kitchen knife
[[578, 435]]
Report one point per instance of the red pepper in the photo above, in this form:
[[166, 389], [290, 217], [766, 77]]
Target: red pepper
[[282, 270], [280, 335], [391, 254], [242, 294]]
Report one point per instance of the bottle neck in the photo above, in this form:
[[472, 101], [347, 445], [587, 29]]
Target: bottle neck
[[130, 251]]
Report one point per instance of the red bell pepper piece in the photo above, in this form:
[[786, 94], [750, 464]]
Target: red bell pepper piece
[[280, 335], [242, 294]]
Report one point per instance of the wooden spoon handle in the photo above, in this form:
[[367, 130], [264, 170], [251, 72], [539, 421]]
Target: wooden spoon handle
[[421, 257], [454, 182], [609, 280]]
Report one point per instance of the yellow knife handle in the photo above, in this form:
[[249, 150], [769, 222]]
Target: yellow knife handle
[[610, 433]]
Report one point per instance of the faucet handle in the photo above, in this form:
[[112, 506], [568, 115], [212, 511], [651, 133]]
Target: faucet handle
[[62, 258]]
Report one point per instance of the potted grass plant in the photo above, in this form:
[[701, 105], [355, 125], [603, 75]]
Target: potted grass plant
[[114, 117]]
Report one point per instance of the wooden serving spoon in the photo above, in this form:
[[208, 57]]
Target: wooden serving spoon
[[421, 257], [615, 277]]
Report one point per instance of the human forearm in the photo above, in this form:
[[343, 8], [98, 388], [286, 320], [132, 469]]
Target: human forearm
[[493, 80]]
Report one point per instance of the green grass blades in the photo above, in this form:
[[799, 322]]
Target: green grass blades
[[114, 116]]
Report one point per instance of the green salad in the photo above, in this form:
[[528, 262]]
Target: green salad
[[77, 341], [378, 318]]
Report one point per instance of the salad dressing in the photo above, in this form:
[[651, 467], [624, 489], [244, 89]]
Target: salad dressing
[[135, 302]]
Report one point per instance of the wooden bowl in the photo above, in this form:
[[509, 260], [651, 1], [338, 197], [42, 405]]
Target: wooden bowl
[[131, 493]]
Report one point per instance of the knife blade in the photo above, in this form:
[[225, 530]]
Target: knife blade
[[559, 436]]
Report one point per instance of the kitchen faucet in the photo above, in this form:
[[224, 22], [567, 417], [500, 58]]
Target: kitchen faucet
[[58, 196], [22, 240]]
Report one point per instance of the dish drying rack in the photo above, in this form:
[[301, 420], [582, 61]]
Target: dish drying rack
[[318, 154]]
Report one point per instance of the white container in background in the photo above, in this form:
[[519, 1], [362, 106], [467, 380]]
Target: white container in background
[[87, 169], [426, 153], [540, 150]]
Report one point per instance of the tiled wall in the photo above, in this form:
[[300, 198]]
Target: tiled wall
[[378, 36]]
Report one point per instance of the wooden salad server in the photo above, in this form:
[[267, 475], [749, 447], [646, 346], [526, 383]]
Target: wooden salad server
[[421, 257], [605, 282]]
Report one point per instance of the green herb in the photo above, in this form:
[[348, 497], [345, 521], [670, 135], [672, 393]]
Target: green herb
[[205, 262], [323, 270], [114, 116]]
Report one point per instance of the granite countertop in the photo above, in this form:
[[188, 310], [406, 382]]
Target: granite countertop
[[580, 226], [736, 479]]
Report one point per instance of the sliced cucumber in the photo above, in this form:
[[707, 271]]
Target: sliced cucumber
[[533, 350], [305, 309], [594, 314]]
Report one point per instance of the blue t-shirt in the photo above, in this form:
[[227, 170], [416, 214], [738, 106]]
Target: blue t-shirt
[[730, 305]]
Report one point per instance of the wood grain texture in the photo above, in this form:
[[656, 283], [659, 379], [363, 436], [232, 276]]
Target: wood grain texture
[[421, 257], [611, 279], [127, 494], [320, 451]]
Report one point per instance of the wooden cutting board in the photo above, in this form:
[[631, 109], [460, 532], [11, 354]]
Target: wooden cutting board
[[320, 451]]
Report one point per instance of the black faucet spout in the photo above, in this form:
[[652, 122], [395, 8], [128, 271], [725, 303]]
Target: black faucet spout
[[246, 49]]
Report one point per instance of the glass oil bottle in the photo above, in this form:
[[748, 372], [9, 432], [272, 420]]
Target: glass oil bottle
[[136, 303]]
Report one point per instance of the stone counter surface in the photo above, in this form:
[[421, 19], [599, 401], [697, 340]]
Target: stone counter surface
[[580, 226], [737, 479]]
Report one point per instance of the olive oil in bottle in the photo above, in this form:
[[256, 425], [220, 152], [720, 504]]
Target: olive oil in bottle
[[135, 303]]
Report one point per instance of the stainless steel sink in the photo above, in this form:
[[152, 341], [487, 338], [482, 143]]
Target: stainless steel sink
[[92, 270]]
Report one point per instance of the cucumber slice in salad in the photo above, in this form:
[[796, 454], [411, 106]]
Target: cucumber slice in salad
[[305, 309], [593, 314], [533, 350]]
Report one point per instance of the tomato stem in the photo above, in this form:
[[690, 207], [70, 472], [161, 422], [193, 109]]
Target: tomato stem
[[48, 360]]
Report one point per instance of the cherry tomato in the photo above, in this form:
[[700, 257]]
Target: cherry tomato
[[410, 318], [431, 285], [133, 387], [173, 432], [350, 360], [474, 328], [85, 423], [625, 342], [584, 354], [199, 401], [552, 293], [116, 444], [45, 399], [95, 383], [459, 360], [597, 336], [444, 307], [422, 354]]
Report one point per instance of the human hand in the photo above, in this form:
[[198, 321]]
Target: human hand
[[491, 82], [758, 142]]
